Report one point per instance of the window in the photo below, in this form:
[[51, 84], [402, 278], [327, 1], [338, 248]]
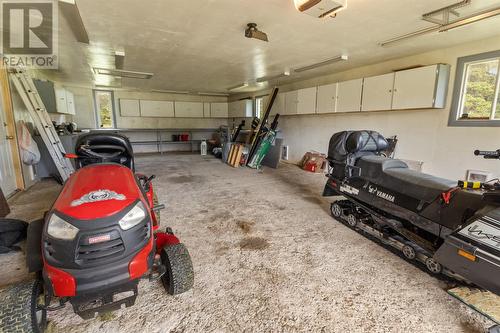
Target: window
[[259, 101], [104, 108], [476, 96]]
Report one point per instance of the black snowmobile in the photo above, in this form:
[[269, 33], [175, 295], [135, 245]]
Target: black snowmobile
[[451, 227]]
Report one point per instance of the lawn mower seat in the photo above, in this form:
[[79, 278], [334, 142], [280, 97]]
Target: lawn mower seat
[[101, 147], [395, 175]]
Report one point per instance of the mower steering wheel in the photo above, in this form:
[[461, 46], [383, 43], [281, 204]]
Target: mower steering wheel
[[89, 151]]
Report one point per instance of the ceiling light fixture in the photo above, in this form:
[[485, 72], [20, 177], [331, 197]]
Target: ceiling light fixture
[[123, 73], [470, 19], [212, 94], [239, 86], [322, 63], [252, 32], [74, 19], [273, 77], [445, 27], [119, 59], [170, 91], [320, 8]]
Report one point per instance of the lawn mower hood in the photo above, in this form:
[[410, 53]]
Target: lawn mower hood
[[98, 191]]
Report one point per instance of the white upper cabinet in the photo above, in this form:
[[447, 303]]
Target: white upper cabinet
[[423, 87], [206, 110], [219, 110], [327, 98], [129, 107], [70, 102], [189, 109], [291, 101], [241, 109], [377, 92], [306, 101], [349, 95], [278, 105], [156, 108], [61, 102]]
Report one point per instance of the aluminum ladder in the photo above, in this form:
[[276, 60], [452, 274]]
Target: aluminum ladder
[[34, 104]]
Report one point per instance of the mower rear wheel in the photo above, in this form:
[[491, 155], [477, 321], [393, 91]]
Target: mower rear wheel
[[23, 308], [179, 275]]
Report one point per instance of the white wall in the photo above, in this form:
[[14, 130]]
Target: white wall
[[423, 135]]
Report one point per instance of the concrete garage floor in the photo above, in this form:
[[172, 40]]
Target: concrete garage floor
[[268, 258]]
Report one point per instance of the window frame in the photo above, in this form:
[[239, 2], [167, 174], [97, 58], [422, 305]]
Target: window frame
[[97, 115], [459, 87]]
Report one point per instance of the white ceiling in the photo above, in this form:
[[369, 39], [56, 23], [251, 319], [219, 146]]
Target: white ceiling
[[198, 45]]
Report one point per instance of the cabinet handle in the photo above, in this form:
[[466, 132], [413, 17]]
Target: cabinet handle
[[9, 137]]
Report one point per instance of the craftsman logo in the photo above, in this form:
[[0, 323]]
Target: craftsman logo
[[380, 194], [99, 239], [483, 233], [96, 196], [349, 189], [29, 33]]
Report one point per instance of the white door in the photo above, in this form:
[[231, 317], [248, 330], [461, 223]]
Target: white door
[[327, 98], [70, 100], [414, 88], [377, 92], [306, 101], [7, 174], [62, 104], [349, 95]]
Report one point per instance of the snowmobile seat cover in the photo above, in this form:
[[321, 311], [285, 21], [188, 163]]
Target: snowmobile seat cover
[[395, 175], [355, 143]]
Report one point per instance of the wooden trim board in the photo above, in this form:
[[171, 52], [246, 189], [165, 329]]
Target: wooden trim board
[[11, 126]]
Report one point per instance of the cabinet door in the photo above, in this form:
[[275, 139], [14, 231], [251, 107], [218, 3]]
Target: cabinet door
[[414, 88], [219, 110], [349, 95], [62, 105], [129, 108], [291, 101], [377, 92], [278, 105], [70, 101], [157, 108], [206, 110], [188, 110], [327, 98], [306, 101]]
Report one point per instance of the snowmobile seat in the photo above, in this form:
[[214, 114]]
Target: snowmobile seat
[[395, 175]]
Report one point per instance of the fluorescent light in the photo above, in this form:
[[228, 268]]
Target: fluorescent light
[[239, 86], [442, 28], [470, 19], [170, 91], [273, 77], [212, 94], [322, 63], [123, 73], [410, 35], [72, 15], [119, 59]]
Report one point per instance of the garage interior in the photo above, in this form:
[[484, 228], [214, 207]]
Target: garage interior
[[232, 106]]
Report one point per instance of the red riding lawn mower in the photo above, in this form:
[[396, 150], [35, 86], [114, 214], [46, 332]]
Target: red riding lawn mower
[[99, 239]]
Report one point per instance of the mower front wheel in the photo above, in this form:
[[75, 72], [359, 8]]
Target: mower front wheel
[[23, 308], [179, 275]]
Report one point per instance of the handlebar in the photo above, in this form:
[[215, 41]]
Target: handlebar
[[495, 154]]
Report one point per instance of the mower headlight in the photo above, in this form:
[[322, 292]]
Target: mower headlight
[[58, 228], [133, 217]]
